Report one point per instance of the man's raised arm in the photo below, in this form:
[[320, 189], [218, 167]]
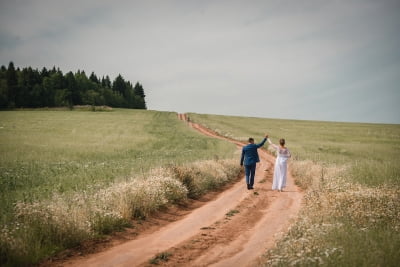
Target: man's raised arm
[[263, 141]]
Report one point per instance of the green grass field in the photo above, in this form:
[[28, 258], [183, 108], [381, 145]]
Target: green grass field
[[83, 166], [43, 151], [351, 174], [68, 176]]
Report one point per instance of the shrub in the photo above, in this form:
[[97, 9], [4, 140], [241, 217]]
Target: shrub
[[202, 176]]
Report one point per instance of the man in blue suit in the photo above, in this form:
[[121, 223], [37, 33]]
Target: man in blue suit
[[250, 158]]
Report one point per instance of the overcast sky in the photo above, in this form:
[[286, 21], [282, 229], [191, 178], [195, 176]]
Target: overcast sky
[[301, 59]]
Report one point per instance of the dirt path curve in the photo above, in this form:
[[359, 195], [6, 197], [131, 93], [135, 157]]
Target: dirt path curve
[[232, 230]]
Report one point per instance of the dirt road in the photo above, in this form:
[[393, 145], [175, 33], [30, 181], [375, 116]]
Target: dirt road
[[232, 229]]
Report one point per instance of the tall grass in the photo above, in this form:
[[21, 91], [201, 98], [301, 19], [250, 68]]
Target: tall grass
[[43, 227], [351, 177], [67, 176], [342, 223]]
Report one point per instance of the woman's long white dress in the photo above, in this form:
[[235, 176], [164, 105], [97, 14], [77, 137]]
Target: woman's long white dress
[[280, 170]]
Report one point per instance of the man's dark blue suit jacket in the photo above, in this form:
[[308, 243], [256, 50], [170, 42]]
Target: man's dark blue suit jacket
[[250, 154]]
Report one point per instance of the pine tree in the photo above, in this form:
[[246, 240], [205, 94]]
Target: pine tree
[[44, 73], [139, 91], [108, 82], [72, 96], [3, 87], [94, 78], [119, 85], [12, 82]]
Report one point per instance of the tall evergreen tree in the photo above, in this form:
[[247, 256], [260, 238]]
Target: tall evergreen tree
[[3, 87], [3, 70], [24, 88], [44, 73], [119, 85], [72, 95], [94, 78], [103, 82], [139, 91], [107, 82], [12, 82]]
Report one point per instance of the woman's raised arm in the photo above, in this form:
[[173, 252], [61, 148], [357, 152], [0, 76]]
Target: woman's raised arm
[[272, 144]]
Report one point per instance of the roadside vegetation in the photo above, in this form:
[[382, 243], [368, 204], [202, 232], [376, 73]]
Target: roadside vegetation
[[351, 177], [70, 176]]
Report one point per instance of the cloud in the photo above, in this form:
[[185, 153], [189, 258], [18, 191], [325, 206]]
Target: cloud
[[225, 57]]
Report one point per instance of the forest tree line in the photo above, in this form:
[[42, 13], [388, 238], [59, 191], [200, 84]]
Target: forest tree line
[[31, 88]]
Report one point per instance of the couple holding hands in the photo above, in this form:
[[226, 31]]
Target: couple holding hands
[[250, 158]]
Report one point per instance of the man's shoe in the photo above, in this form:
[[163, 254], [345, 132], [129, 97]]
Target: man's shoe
[[248, 187]]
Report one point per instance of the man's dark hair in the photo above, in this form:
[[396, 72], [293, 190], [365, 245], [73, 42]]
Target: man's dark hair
[[251, 140]]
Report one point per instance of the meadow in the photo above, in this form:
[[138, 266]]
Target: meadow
[[68, 176], [350, 173]]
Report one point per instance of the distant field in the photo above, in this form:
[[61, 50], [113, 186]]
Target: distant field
[[351, 174], [373, 150], [72, 174]]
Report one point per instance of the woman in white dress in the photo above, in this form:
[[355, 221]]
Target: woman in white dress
[[280, 170]]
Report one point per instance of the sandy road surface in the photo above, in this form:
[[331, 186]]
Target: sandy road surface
[[233, 229]]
